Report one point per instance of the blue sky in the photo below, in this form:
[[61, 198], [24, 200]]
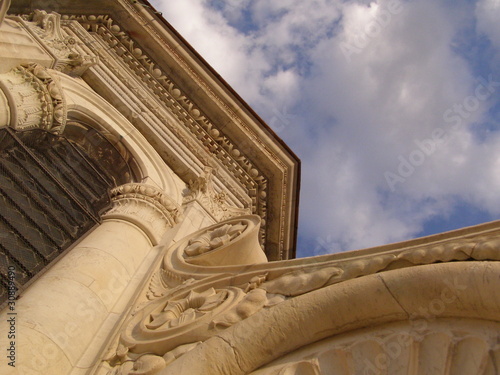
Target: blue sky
[[392, 106]]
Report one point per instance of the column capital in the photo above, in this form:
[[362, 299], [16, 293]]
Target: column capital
[[35, 99], [146, 206]]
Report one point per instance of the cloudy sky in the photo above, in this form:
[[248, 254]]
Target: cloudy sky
[[392, 106]]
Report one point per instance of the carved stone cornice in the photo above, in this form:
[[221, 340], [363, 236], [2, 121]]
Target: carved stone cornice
[[203, 132], [146, 206], [35, 99]]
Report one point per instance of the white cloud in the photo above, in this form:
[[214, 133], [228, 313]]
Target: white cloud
[[363, 112], [488, 15]]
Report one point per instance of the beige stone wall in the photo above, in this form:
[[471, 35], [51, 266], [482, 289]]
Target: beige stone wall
[[68, 315], [175, 280]]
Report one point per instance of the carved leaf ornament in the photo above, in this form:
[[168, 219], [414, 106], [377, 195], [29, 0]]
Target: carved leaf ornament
[[223, 296], [168, 322], [194, 306], [214, 239]]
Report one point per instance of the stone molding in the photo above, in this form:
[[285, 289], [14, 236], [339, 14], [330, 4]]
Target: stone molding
[[63, 47], [372, 301], [282, 251], [35, 98], [307, 293], [146, 206], [186, 112], [441, 346]]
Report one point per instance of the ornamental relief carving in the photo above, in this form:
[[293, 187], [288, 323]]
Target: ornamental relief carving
[[48, 28], [145, 206], [202, 190], [402, 350], [37, 99], [200, 308], [179, 268], [180, 106], [213, 239], [146, 203], [169, 327]]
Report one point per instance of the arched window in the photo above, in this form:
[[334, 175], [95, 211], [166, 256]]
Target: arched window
[[53, 189]]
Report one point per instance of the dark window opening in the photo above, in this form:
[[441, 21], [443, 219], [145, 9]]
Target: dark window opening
[[53, 189]]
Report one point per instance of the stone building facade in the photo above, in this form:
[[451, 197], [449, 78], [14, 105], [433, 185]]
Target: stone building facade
[[148, 225]]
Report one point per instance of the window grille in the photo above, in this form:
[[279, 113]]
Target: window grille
[[52, 191]]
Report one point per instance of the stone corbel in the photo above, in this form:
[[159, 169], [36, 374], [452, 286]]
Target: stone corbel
[[47, 27], [34, 99], [145, 206]]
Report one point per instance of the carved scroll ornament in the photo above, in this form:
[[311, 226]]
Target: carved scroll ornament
[[214, 239], [246, 296], [202, 190]]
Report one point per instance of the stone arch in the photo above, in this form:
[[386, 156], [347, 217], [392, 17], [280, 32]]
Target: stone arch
[[53, 190], [37, 97], [401, 295], [84, 105], [106, 149]]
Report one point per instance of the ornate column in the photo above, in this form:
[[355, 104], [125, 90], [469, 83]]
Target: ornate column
[[30, 97], [69, 312]]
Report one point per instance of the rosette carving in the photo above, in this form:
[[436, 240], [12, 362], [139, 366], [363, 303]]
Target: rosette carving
[[167, 328], [168, 322], [35, 97], [231, 242], [194, 306]]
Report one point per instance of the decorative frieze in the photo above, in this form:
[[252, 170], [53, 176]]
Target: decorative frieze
[[400, 349], [35, 98]]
